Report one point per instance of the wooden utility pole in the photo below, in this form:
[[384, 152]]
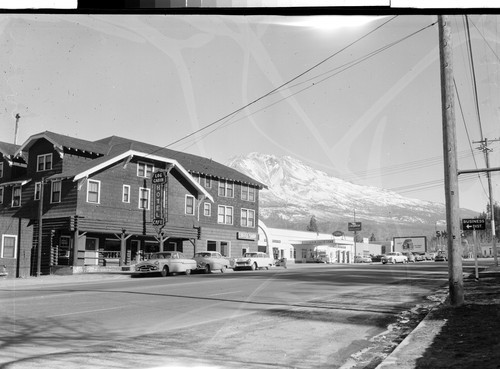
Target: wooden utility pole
[[450, 165]]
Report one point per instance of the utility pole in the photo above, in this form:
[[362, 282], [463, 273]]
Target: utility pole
[[455, 271], [40, 227], [484, 148], [15, 130]]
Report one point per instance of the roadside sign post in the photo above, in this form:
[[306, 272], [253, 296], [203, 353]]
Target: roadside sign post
[[474, 224], [354, 227]]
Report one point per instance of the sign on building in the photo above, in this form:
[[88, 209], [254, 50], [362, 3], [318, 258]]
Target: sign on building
[[159, 213], [410, 244]]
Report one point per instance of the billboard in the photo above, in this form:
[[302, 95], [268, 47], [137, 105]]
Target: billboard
[[411, 244]]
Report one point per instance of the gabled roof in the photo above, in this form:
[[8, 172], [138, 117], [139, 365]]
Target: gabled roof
[[8, 148], [193, 163], [61, 141]]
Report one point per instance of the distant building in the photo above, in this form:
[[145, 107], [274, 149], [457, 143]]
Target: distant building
[[97, 203], [312, 247]]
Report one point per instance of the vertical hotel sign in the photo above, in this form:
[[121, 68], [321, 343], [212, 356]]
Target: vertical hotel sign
[[159, 214]]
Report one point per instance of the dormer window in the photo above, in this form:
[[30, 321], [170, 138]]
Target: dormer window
[[44, 162], [145, 170]]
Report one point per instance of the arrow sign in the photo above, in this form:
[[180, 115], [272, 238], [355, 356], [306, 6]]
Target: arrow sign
[[473, 224]]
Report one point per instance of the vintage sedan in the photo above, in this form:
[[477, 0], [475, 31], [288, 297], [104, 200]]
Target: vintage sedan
[[207, 261], [253, 261], [394, 257], [166, 262], [362, 259]]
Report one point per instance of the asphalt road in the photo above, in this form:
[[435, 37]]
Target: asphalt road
[[302, 317]]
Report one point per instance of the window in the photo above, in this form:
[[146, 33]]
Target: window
[[16, 196], [207, 209], [93, 191], [211, 245], [247, 193], [55, 191], [247, 218], [1, 170], [189, 205], [226, 189], [225, 215], [1, 195], [208, 182], [144, 198], [38, 188], [145, 170], [44, 162], [9, 246], [224, 248], [126, 194]]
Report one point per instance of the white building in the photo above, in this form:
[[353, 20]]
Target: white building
[[310, 247]]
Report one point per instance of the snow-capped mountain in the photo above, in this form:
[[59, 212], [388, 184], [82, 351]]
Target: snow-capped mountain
[[297, 191]]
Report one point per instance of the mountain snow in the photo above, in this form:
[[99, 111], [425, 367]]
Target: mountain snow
[[296, 192]]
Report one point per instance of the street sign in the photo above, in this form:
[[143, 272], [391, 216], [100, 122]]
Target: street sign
[[354, 226], [474, 224]]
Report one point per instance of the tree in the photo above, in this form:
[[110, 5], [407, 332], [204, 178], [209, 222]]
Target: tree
[[313, 225], [372, 238]]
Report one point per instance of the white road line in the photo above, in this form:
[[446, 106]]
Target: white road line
[[224, 293], [85, 312]]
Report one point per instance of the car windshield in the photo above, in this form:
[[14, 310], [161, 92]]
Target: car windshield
[[161, 256], [202, 254], [251, 254]]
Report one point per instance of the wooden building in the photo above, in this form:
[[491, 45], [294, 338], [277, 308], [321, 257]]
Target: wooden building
[[92, 203]]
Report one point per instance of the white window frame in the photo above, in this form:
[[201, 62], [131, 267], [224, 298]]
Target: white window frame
[[43, 162], [222, 211], [1, 170], [146, 166], [20, 196], [186, 204], [208, 182], [2, 251], [246, 215], [89, 181], [225, 187], [148, 191], [126, 192], [52, 183], [207, 209], [247, 193], [1, 194], [38, 188]]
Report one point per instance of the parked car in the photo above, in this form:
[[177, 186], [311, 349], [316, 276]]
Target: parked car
[[410, 257], [419, 257], [362, 259], [254, 260], [211, 260], [441, 257], [166, 263], [428, 256], [394, 257], [377, 258]]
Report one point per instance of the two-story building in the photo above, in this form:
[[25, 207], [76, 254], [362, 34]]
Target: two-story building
[[87, 202]]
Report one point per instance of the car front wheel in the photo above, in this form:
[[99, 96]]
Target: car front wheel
[[188, 271], [223, 269], [164, 271], [207, 269], [254, 266]]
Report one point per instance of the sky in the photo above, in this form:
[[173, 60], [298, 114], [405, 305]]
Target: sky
[[356, 97]]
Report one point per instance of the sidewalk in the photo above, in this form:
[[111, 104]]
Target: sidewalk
[[456, 337]]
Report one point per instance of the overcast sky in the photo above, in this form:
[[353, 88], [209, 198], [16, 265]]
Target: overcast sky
[[356, 97]]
